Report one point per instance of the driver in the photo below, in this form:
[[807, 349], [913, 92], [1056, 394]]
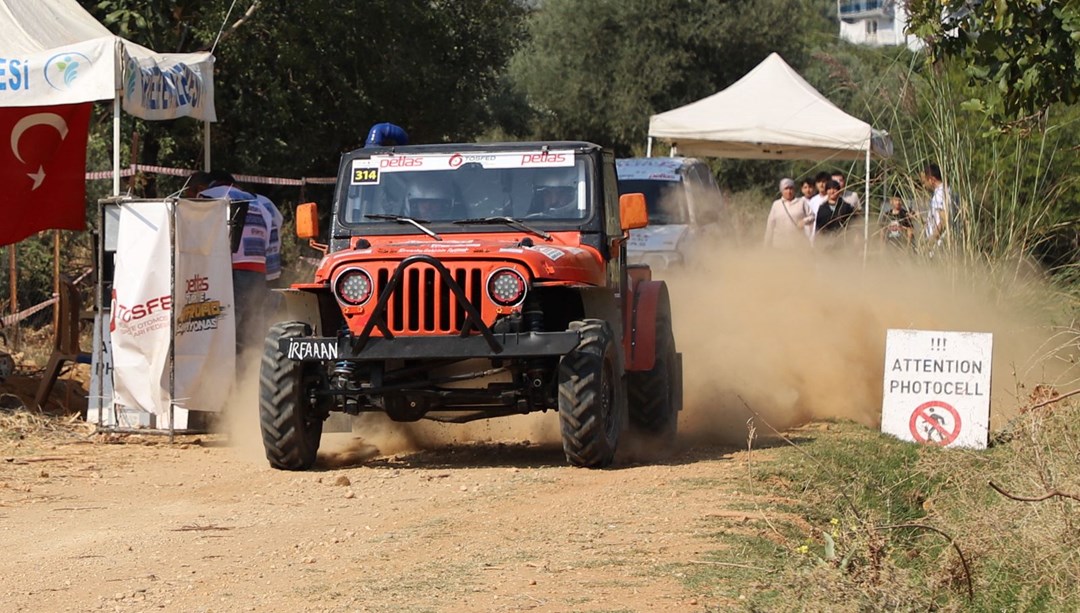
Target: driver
[[555, 194], [429, 199]]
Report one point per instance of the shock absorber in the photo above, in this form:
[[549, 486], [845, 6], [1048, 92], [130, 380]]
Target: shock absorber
[[533, 321], [341, 378]]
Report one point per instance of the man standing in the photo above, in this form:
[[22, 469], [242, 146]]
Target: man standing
[[849, 197], [248, 260], [936, 217], [273, 255], [833, 215]]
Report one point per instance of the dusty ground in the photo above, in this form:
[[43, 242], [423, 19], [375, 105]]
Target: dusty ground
[[133, 523]]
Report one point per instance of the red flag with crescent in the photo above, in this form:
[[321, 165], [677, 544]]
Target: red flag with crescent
[[42, 169]]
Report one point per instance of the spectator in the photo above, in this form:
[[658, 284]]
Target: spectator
[[834, 214], [936, 217], [273, 240], [248, 261], [196, 183], [808, 188], [849, 197], [821, 181], [899, 229], [789, 219]]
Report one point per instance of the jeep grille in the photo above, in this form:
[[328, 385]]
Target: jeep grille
[[423, 303]]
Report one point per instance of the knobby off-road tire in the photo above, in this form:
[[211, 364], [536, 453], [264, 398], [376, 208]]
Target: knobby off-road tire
[[656, 395], [291, 427], [592, 402]]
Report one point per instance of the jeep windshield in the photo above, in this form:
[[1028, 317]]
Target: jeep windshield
[[543, 189], [664, 199]]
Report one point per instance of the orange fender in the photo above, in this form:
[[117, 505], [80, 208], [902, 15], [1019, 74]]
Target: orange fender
[[649, 299]]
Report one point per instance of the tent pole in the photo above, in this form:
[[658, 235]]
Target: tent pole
[[866, 200], [116, 143], [206, 146], [648, 148]]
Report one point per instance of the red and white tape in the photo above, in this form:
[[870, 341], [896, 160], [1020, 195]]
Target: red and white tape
[[183, 172]]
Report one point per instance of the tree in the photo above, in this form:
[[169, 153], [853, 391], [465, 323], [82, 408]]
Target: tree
[[301, 81], [597, 69], [1028, 50]]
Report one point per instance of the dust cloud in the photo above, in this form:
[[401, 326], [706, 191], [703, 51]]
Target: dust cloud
[[796, 337]]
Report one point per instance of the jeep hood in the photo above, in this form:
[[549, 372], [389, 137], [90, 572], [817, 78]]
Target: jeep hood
[[563, 258], [657, 238]]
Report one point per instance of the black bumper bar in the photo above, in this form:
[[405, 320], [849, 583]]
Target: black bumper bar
[[521, 345]]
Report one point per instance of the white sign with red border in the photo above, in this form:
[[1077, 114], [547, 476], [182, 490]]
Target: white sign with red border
[[937, 387]]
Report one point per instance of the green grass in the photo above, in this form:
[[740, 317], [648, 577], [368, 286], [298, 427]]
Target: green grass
[[859, 493]]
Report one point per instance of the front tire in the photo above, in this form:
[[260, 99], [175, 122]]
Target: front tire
[[290, 423], [592, 403]]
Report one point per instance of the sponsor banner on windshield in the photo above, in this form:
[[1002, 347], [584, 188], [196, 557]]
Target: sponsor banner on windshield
[[368, 171]]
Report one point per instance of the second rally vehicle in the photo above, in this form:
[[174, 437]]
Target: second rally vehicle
[[465, 282]]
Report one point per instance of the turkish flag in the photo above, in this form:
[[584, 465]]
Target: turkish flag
[[42, 169]]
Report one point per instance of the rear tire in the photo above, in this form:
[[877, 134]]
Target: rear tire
[[656, 395], [290, 423], [592, 403]]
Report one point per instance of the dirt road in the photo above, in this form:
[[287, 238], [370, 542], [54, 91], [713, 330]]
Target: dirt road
[[205, 525]]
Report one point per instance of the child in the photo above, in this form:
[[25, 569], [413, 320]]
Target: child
[[899, 230]]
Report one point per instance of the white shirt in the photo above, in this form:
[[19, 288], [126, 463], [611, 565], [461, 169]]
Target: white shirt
[[937, 211]]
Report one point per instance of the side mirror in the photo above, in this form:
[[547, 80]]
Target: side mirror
[[632, 211], [307, 220]]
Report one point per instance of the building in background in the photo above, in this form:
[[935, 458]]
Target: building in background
[[875, 23]]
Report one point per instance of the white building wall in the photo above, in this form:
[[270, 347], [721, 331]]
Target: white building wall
[[875, 23]]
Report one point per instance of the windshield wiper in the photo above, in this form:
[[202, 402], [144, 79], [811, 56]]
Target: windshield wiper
[[509, 221], [409, 220]]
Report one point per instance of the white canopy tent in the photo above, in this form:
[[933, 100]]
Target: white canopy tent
[[770, 113], [53, 52]]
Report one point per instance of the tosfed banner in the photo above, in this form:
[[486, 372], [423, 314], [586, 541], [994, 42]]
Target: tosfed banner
[[156, 305], [142, 301]]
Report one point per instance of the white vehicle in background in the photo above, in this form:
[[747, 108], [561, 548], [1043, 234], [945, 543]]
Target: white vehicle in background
[[684, 203]]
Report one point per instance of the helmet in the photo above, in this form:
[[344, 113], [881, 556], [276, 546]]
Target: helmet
[[430, 198], [555, 189]]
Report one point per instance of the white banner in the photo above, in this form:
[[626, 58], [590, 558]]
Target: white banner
[[159, 88], [80, 72], [205, 352], [142, 301]]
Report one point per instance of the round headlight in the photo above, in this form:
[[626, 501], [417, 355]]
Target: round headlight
[[506, 287], [353, 286]]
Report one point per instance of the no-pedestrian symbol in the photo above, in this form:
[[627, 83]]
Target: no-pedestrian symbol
[[935, 422]]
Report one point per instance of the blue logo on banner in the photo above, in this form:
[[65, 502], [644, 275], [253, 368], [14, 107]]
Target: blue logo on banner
[[62, 69]]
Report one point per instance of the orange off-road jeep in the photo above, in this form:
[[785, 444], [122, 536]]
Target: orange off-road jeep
[[465, 282]]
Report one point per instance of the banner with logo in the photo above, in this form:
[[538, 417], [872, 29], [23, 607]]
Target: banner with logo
[[205, 351], [42, 165], [79, 72], [141, 309], [180, 86]]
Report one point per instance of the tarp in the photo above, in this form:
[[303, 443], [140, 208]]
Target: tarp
[[53, 52], [770, 113]]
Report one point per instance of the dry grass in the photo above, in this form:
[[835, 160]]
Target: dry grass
[[901, 527]]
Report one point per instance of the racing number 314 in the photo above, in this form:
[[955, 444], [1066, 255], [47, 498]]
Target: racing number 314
[[365, 175]]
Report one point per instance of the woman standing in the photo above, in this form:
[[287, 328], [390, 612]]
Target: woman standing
[[790, 219]]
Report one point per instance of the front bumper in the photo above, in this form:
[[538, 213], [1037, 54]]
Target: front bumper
[[513, 346]]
